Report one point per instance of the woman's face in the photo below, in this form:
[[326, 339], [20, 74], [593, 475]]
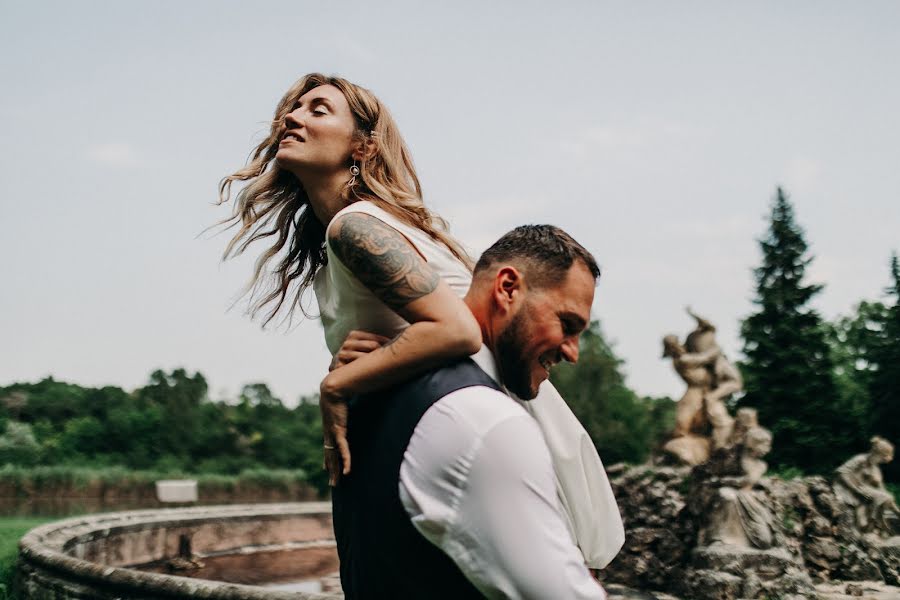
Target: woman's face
[[318, 136]]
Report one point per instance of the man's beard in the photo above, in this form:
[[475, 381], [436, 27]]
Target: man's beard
[[514, 367]]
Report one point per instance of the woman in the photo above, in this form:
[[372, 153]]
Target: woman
[[860, 484], [334, 167]]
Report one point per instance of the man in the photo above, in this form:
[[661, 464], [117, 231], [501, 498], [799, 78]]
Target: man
[[452, 491]]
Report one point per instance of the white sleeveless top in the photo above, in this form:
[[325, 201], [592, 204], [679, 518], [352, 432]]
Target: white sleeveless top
[[345, 303]]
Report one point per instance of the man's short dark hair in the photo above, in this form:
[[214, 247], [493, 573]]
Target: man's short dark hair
[[543, 252]]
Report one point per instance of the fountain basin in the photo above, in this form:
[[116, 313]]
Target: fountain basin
[[212, 552]]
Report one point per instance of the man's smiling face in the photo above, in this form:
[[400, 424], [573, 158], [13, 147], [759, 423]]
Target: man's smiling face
[[544, 331]]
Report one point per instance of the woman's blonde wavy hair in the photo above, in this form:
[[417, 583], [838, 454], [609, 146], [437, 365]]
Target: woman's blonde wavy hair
[[274, 203]]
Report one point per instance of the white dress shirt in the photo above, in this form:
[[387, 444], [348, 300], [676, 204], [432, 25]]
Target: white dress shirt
[[477, 481]]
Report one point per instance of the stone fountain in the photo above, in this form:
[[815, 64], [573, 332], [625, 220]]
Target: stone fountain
[[705, 522], [212, 552]]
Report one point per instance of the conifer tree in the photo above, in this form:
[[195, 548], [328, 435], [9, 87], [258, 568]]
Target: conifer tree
[[884, 383], [788, 370]]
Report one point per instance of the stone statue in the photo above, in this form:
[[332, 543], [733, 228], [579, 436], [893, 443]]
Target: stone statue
[[711, 379], [860, 485], [726, 379], [739, 517]]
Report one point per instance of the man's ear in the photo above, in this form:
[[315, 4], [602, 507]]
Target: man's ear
[[509, 287]]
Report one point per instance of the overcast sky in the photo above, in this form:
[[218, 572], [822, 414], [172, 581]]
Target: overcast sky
[[654, 132]]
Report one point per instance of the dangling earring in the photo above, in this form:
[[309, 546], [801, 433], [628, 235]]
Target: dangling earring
[[354, 170]]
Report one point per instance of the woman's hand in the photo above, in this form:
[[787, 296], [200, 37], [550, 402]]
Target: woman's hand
[[357, 344], [334, 408], [334, 432]]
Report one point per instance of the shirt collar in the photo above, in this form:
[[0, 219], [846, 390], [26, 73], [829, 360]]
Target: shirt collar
[[485, 360]]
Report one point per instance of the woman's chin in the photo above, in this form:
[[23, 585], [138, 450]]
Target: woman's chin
[[283, 159]]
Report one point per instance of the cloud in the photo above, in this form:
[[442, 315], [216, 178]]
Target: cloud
[[113, 154], [802, 174], [728, 227], [613, 139], [354, 50], [483, 218]]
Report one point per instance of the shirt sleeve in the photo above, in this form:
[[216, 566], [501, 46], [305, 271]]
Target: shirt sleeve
[[498, 517]]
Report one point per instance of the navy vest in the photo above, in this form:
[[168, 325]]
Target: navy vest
[[382, 554]]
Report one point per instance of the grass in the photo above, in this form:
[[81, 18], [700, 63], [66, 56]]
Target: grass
[[786, 473], [21, 480], [11, 530], [58, 477]]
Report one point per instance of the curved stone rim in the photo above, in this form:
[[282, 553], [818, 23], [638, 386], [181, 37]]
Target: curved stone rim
[[43, 546]]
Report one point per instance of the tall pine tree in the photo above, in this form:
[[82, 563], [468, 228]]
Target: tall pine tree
[[788, 370], [884, 383]]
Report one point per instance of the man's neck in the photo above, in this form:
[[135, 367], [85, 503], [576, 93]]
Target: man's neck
[[483, 316], [488, 352]]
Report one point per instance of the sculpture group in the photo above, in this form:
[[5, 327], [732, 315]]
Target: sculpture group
[[704, 430], [702, 422], [741, 534]]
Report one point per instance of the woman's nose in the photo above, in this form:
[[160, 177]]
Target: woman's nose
[[292, 120]]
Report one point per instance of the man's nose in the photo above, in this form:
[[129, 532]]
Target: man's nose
[[569, 349]]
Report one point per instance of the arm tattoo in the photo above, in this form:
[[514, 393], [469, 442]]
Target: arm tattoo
[[382, 259]]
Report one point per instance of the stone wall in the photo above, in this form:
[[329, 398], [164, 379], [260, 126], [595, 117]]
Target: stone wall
[[101, 556], [663, 510]]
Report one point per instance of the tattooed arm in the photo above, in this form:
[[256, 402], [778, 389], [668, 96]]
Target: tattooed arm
[[441, 326]]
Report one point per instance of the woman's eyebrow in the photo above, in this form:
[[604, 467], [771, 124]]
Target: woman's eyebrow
[[321, 100]]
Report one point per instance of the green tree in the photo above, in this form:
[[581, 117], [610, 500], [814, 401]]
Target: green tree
[[788, 371], [132, 434], [18, 446], [48, 399], [884, 383], [852, 340], [179, 395], [621, 425], [259, 394]]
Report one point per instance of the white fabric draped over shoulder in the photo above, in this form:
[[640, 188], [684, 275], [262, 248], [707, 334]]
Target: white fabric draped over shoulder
[[585, 495]]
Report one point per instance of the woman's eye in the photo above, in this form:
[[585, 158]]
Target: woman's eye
[[320, 111]]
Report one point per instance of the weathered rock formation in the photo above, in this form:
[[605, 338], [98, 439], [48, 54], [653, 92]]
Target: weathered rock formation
[[741, 551], [815, 539]]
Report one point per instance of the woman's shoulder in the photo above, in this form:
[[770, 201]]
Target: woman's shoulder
[[415, 236], [451, 268], [365, 207], [366, 216]]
